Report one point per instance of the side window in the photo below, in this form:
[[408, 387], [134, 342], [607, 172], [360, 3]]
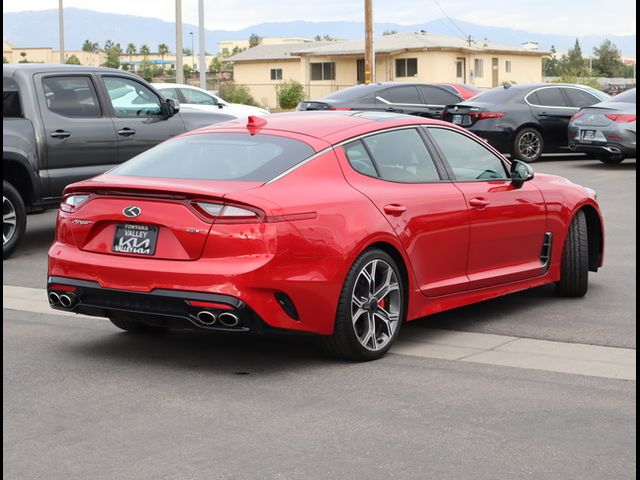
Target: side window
[[359, 159], [71, 96], [402, 156], [438, 96], [468, 159], [170, 93], [10, 98], [405, 95], [199, 98], [548, 97], [131, 99], [580, 98]]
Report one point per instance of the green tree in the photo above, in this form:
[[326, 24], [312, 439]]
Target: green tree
[[550, 67], [234, 93], [186, 52], [290, 94], [89, 46], [163, 49], [144, 50], [113, 55], [24, 57], [215, 66], [187, 70], [254, 40], [607, 61], [108, 45], [4, 59], [389, 32], [573, 63], [73, 60]]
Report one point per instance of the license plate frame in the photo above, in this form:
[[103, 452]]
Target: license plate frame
[[135, 238], [457, 119], [587, 136]]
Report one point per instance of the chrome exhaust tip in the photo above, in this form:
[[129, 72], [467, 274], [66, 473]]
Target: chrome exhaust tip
[[54, 298], [206, 318], [66, 300], [229, 319]]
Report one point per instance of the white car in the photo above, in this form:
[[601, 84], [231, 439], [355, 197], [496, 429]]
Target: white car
[[200, 99]]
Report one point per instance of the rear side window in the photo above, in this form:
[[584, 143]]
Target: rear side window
[[469, 160], [359, 159], [405, 95], [10, 99], [71, 96], [170, 93], [402, 156], [547, 97], [199, 98], [226, 156], [438, 96], [580, 98]]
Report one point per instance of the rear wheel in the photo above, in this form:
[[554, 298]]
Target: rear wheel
[[528, 145], [574, 274], [14, 219], [370, 311], [609, 159], [129, 324]]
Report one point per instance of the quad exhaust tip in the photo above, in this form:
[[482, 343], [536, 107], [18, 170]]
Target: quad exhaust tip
[[206, 318], [66, 300], [229, 319], [54, 298]]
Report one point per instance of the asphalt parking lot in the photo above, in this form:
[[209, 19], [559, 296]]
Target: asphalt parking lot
[[83, 400]]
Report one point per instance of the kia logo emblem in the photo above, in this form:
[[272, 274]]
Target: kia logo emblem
[[132, 211]]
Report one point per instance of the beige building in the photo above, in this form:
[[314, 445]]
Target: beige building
[[48, 55], [323, 67], [226, 47]]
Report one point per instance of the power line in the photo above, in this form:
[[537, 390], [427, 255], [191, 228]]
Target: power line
[[438, 18], [450, 20]]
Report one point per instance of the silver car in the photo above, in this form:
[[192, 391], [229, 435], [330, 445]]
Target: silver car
[[606, 129]]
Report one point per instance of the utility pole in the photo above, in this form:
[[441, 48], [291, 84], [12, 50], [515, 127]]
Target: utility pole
[[369, 54], [179, 70], [203, 68], [193, 53], [61, 28]]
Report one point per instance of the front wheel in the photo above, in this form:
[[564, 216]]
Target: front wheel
[[14, 219], [371, 309], [574, 271], [528, 145]]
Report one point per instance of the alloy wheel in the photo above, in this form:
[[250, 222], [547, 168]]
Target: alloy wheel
[[9, 220], [529, 145], [376, 303]]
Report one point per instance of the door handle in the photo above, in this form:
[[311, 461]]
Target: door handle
[[479, 203], [126, 132], [390, 109], [543, 114], [395, 209], [60, 134]]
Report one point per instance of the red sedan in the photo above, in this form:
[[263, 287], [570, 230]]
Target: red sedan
[[464, 90], [341, 224]]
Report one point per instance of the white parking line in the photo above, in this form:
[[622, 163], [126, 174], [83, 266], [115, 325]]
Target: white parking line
[[575, 358]]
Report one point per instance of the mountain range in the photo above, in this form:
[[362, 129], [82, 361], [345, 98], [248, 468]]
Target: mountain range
[[40, 29]]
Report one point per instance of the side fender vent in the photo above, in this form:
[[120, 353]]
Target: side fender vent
[[545, 254]]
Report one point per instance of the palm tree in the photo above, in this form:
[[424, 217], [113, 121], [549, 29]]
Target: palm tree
[[131, 50], [144, 50], [163, 49]]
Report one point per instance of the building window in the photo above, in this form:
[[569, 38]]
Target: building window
[[323, 71], [478, 67], [507, 66], [459, 72], [276, 74], [406, 67]]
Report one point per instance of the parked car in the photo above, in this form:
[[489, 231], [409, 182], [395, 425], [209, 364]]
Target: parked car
[[524, 120], [64, 123], [607, 129], [399, 97], [240, 234], [204, 100], [465, 90]]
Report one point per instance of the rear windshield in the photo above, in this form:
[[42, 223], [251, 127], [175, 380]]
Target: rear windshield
[[625, 97], [225, 156], [10, 98], [497, 95], [352, 93]]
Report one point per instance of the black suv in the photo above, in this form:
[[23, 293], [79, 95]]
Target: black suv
[[400, 97], [524, 120]]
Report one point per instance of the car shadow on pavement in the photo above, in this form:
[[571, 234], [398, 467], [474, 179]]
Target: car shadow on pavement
[[625, 165]]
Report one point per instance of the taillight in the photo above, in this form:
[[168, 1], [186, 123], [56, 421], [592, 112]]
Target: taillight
[[339, 108], [73, 201], [577, 115], [486, 115], [226, 213], [621, 117]]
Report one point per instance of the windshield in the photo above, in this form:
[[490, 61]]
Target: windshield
[[225, 156]]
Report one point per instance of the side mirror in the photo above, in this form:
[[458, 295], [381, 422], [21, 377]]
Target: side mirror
[[171, 107], [520, 172], [220, 105]]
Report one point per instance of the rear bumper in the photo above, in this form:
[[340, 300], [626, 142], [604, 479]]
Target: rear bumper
[[611, 149], [501, 140]]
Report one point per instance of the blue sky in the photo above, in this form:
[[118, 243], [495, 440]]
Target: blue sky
[[571, 17]]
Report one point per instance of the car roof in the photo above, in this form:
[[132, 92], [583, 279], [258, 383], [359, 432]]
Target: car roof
[[46, 67], [328, 126], [175, 85]]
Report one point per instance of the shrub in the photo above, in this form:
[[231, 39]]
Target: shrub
[[234, 93], [290, 93]]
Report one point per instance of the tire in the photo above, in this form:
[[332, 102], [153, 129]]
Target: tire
[[127, 324], [609, 159], [528, 145], [380, 304], [574, 271], [14, 219]]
